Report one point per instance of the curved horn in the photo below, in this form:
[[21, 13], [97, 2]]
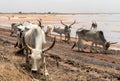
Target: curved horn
[[30, 48], [113, 42], [73, 23], [62, 23], [46, 49], [40, 24], [26, 45]]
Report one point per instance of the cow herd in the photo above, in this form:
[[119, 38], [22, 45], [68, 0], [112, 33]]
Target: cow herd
[[31, 39]]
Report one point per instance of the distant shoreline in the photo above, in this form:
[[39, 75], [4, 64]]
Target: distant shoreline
[[57, 13], [117, 31]]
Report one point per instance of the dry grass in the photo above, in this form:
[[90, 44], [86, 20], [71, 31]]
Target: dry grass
[[8, 72]]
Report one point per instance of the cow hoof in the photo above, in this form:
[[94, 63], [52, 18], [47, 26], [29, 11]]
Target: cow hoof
[[90, 51], [27, 61], [97, 51], [78, 50], [68, 42], [34, 71], [82, 51], [46, 73]]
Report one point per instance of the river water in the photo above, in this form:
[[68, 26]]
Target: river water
[[105, 22]]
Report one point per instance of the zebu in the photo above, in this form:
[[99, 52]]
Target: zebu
[[14, 29], [97, 37], [94, 26], [40, 23], [48, 31], [34, 39], [20, 29], [59, 31], [66, 31]]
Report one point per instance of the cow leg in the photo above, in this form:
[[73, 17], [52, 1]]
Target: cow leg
[[91, 47], [27, 57], [68, 38], [11, 33], [20, 46], [16, 44], [104, 51], [96, 48], [45, 69], [60, 37], [80, 45], [65, 37]]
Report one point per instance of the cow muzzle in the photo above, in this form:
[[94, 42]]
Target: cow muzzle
[[34, 70]]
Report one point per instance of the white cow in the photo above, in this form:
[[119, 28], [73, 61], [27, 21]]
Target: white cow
[[34, 40]]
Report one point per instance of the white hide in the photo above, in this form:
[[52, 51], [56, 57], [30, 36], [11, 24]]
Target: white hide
[[35, 38]]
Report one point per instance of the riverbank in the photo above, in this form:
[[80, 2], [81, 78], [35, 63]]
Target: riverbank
[[72, 65], [7, 19]]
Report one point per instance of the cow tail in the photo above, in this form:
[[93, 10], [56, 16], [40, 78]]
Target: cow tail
[[75, 41], [73, 45]]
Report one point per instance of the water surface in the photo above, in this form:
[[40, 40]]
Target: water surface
[[106, 22]]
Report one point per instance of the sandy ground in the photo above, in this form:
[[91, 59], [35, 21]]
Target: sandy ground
[[73, 65], [118, 31], [46, 18]]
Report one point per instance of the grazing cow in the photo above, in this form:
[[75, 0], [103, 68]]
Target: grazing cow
[[94, 26], [66, 31], [20, 29], [34, 40], [97, 37], [40, 24], [14, 29], [59, 31], [48, 31]]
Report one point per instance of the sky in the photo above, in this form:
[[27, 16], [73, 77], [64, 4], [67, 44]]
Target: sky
[[61, 6]]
